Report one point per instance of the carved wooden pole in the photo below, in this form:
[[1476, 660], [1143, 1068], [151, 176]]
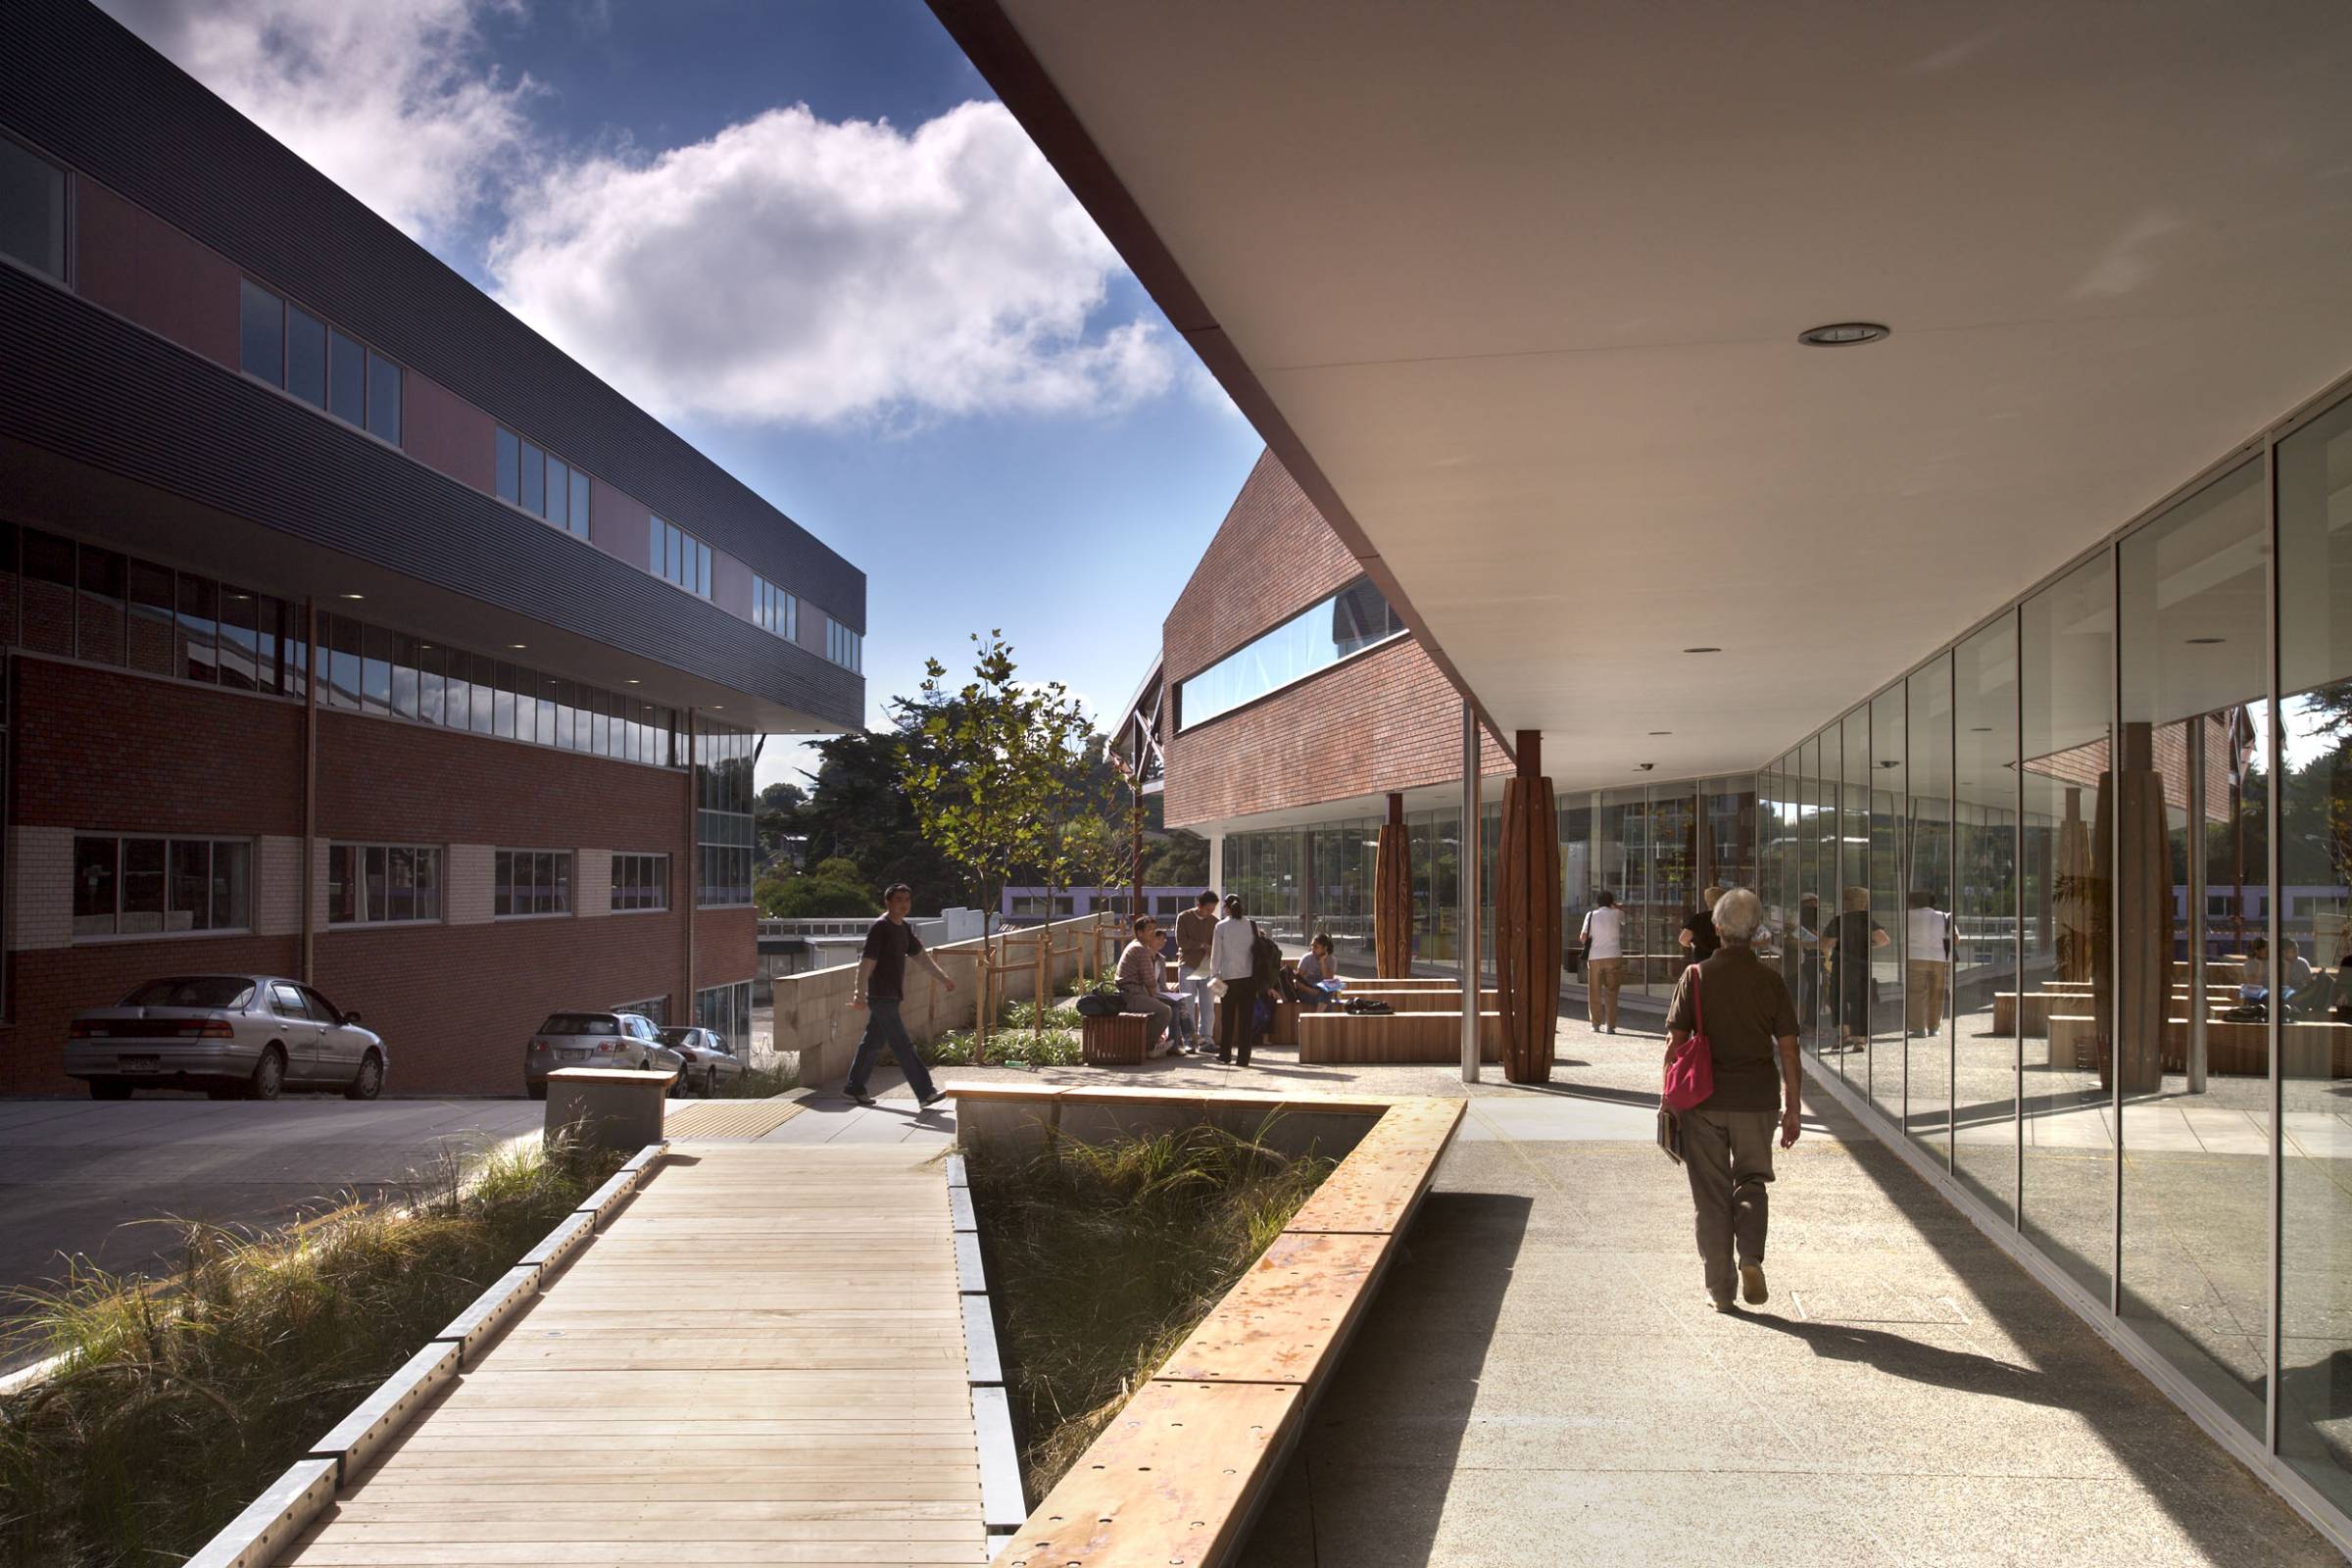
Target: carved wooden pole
[[1527, 918], [1392, 896]]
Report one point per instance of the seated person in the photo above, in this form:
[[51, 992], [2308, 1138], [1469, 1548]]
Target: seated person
[[1139, 982], [1318, 975], [1183, 1030]]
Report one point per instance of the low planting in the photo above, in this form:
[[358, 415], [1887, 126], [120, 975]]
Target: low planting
[[763, 1083], [1104, 1257], [1016, 1040], [179, 1400]]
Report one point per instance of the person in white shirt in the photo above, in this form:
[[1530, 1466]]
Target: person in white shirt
[[1229, 961], [1927, 964], [1604, 936]]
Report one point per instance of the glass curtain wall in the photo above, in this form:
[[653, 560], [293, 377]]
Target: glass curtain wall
[[2071, 905]]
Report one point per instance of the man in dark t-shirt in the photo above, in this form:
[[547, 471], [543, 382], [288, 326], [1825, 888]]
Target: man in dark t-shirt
[[881, 984], [1699, 937]]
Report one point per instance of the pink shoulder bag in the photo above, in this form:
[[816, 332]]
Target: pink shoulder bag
[[1690, 1075]]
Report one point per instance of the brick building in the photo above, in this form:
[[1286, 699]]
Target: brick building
[[352, 631]]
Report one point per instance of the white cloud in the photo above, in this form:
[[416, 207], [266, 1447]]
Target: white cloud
[[388, 98], [796, 270]]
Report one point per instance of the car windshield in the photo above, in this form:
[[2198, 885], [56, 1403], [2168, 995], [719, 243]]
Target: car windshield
[[192, 991], [581, 1023]]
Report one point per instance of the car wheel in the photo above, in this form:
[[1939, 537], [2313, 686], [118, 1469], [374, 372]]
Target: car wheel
[[710, 1084], [268, 1075], [371, 1080], [677, 1087], [535, 1091], [109, 1088]]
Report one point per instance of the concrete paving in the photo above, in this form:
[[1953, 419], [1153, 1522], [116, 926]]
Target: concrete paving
[[83, 1179], [1543, 1380]]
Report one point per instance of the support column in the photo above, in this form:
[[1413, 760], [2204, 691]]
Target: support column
[[1392, 896], [1466, 884], [1527, 918], [310, 791], [2193, 730], [1216, 863]]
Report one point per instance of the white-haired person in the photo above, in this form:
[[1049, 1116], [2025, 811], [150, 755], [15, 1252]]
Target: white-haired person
[[1743, 1009]]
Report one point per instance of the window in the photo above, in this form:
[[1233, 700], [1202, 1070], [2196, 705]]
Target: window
[[726, 1011], [843, 645], [150, 886], [542, 484], [724, 761], [529, 882], [774, 609], [1356, 618], [680, 558], [286, 346], [640, 882], [33, 210], [384, 884]]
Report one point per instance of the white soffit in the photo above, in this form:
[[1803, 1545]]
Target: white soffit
[[1526, 281]]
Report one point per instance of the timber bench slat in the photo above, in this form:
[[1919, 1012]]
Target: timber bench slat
[[1394, 1037]]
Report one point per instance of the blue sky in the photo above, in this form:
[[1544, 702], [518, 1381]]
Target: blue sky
[[784, 228]]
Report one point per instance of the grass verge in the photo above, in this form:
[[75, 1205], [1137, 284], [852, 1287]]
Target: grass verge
[[179, 1400], [763, 1083], [1104, 1257]]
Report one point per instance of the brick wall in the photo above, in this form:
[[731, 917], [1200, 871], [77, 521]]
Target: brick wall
[[1384, 720], [455, 1000], [1272, 556]]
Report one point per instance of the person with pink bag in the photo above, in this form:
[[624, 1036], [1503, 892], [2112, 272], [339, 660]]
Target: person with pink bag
[[1731, 1074]]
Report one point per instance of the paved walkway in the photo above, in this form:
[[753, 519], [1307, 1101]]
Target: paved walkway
[[1541, 1379], [760, 1360]]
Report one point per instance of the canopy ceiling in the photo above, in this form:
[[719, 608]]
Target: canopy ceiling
[[1515, 289]]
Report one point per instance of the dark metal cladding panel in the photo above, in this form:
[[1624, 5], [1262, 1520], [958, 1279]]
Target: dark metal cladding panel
[[76, 82], [82, 383]]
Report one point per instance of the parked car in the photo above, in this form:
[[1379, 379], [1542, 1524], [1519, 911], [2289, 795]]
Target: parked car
[[595, 1040], [711, 1063], [231, 1035]]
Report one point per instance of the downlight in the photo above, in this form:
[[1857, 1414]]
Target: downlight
[[1842, 334]]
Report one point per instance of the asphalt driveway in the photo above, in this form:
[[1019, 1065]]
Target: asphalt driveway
[[77, 1177]]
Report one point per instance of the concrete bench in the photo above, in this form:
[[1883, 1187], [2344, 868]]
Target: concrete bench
[[1395, 1037], [1117, 1042], [607, 1107]]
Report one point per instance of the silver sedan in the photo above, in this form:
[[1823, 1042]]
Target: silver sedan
[[233, 1036]]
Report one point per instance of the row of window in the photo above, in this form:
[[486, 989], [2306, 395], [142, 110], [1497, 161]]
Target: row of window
[[776, 609], [680, 558], [382, 884], [369, 669], [531, 882], [844, 647], [640, 882], [542, 484], [80, 602], [137, 885], [281, 343]]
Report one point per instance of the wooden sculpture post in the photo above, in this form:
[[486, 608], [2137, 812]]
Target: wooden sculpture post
[[1527, 918], [1392, 896]]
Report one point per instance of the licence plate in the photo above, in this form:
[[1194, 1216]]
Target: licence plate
[[573, 1055], [137, 1064]]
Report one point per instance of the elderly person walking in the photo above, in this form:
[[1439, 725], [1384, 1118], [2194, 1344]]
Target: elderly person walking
[[1744, 1011]]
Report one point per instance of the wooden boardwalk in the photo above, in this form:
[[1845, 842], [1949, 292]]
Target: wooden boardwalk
[[760, 1360]]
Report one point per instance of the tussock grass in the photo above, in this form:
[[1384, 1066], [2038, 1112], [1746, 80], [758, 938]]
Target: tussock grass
[[1104, 1257], [765, 1083], [179, 1399]]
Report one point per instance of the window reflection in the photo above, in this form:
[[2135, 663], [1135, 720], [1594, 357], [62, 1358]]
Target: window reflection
[[1351, 620]]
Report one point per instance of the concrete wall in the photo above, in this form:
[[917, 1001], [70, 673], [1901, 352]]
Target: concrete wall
[[813, 1016]]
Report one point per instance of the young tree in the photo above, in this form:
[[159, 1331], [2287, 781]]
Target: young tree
[[988, 767]]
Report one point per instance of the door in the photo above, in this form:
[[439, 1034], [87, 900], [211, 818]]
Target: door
[[340, 1046], [298, 1028]]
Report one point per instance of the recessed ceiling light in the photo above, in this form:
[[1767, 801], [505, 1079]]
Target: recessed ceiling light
[[1703, 650], [1841, 335], [2206, 642], [634, 682], [1661, 732], [718, 708], [517, 645], [1980, 729], [355, 596]]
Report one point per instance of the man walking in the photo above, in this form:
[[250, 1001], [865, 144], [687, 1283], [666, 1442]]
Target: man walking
[[1196, 928], [880, 987], [1139, 982]]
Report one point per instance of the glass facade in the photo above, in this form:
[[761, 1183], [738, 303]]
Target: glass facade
[[724, 761], [2071, 906], [727, 1011]]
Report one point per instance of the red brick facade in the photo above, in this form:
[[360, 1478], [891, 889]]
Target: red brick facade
[[455, 999], [1384, 721]]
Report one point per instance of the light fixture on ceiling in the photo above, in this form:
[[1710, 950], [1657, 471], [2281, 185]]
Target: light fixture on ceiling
[[353, 596], [1661, 732], [1889, 761], [1842, 334], [1643, 768], [634, 682], [517, 646], [1703, 650], [2206, 642], [718, 708]]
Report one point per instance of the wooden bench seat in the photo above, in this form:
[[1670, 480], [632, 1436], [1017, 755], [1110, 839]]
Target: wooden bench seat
[[1118, 1042], [2314, 1047], [1395, 1037]]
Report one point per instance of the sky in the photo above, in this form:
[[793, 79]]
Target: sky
[[804, 235]]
